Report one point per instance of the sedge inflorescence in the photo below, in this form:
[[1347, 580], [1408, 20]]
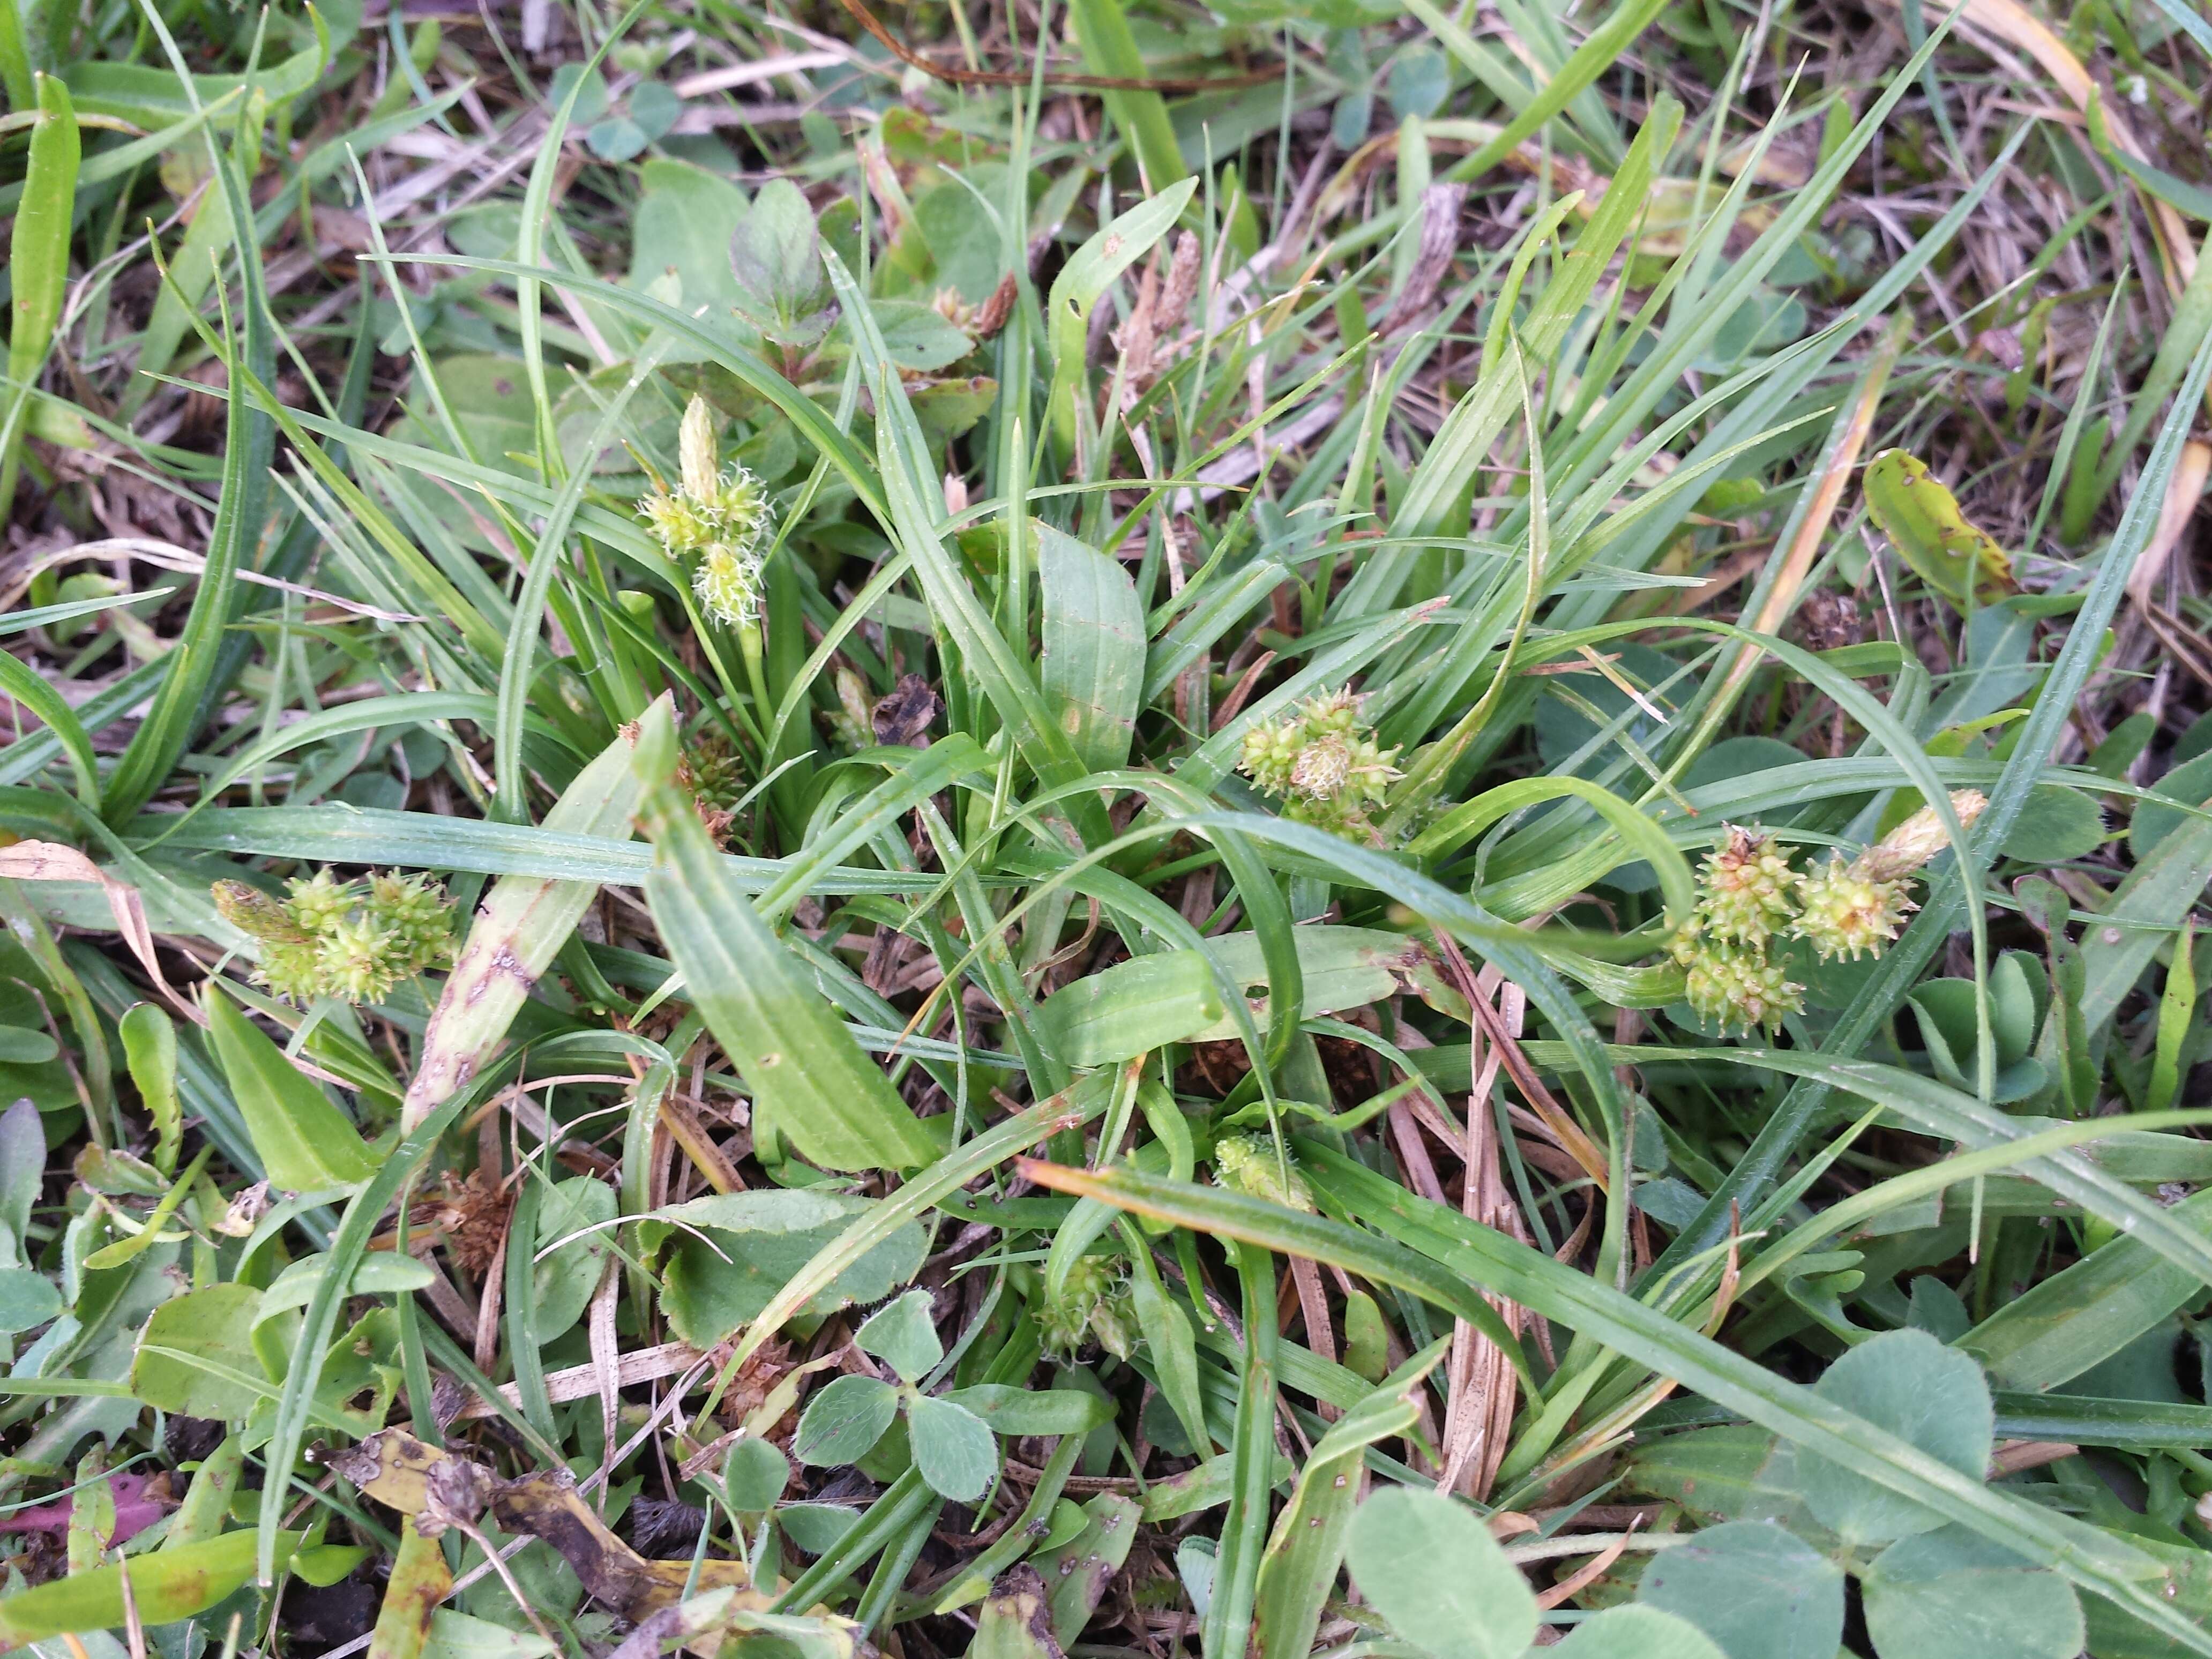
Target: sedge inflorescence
[[1092, 1305], [1749, 895], [1322, 762], [1252, 1164], [717, 521], [351, 940]]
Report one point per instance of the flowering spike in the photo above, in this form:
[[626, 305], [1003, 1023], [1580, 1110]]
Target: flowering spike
[[1908, 848], [719, 517], [695, 449], [1746, 888], [1251, 1164], [1323, 762], [251, 911], [1739, 987]]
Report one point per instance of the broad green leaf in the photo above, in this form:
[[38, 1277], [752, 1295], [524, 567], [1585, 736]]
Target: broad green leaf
[[683, 224], [564, 1278], [902, 1334], [195, 1356], [844, 1421], [27, 1300], [1757, 1592], [1431, 1568], [1130, 1008], [1172, 996], [776, 258], [952, 1447], [1635, 1632], [306, 1143], [165, 1586], [1946, 1593], [23, 1165], [809, 1079], [2055, 825], [724, 1258], [1092, 664], [754, 1476], [1911, 1385], [456, 1635], [150, 1049]]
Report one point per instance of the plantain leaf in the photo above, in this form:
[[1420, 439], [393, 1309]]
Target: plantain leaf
[[305, 1143]]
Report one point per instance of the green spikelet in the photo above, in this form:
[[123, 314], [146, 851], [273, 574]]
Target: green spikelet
[[1733, 987], [1092, 1306], [1746, 888], [1250, 1164], [1843, 910], [1323, 764], [348, 940]]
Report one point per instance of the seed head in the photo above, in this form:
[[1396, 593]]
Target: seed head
[[320, 902], [1908, 848], [350, 940], [1844, 909], [1250, 1164], [1736, 987], [1323, 767], [1746, 888], [1323, 763]]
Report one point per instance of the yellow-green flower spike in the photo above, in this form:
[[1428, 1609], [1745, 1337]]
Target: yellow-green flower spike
[[1746, 886], [1907, 848], [720, 518], [1250, 1164], [1843, 910], [1740, 988]]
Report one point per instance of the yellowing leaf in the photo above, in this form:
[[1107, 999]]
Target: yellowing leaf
[[1947, 550]]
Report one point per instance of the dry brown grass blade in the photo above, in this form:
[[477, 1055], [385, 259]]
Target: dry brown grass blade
[[2184, 493]]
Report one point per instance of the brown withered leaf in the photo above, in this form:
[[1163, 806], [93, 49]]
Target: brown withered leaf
[[903, 717], [398, 1470], [473, 1218]]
